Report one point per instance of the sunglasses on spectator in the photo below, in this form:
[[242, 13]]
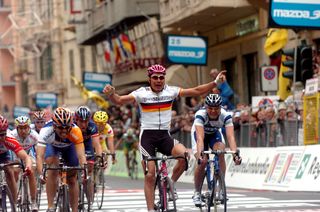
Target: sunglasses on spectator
[[157, 77]]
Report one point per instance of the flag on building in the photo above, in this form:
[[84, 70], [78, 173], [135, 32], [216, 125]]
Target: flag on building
[[123, 52], [116, 51], [107, 51], [127, 44]]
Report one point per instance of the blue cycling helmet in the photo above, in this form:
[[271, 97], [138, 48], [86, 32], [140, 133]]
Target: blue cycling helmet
[[213, 100], [83, 112]]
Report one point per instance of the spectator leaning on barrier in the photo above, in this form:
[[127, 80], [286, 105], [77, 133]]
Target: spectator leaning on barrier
[[224, 90]]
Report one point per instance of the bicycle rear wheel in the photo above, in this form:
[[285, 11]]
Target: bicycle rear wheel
[[7, 203], [219, 193], [99, 185]]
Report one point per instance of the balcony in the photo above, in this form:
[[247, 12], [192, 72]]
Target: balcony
[[201, 15], [111, 16]]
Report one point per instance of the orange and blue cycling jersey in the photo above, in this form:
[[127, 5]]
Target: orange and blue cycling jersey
[[48, 136], [55, 146]]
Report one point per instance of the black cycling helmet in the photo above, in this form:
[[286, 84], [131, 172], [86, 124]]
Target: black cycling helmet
[[213, 100], [83, 113]]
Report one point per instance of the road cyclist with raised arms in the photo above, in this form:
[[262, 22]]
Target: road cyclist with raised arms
[[9, 144], [206, 133], [155, 103], [61, 136], [28, 139]]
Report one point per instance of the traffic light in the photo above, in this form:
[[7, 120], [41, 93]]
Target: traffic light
[[292, 59], [305, 63]]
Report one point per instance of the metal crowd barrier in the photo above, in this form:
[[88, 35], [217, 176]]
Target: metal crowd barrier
[[269, 134]]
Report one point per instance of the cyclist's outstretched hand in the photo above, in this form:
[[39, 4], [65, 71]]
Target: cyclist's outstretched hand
[[108, 90]]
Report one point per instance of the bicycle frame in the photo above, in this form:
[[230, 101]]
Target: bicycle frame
[[164, 183], [63, 188], [215, 180]]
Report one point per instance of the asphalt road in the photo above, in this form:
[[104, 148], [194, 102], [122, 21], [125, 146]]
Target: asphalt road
[[125, 195]]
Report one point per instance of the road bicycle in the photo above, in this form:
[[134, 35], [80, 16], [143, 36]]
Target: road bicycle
[[62, 198], [100, 165], [39, 191], [133, 164], [23, 201], [7, 202], [164, 184], [215, 192]]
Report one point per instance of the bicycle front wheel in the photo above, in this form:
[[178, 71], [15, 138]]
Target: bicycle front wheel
[[219, 193], [167, 198], [99, 187], [7, 203], [133, 168], [24, 200], [63, 199], [39, 190]]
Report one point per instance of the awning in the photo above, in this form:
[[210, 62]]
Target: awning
[[180, 76], [130, 77]]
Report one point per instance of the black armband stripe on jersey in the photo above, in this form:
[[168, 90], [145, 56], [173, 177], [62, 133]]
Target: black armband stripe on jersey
[[200, 117], [227, 118]]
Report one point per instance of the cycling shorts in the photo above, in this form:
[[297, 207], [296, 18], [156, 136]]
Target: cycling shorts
[[68, 154], [156, 139], [129, 146], [209, 140], [6, 157], [88, 148]]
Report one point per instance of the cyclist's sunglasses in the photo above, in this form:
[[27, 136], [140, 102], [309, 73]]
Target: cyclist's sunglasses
[[40, 122], [4, 133], [157, 77], [63, 127]]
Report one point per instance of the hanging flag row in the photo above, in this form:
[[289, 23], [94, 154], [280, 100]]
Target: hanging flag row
[[118, 48]]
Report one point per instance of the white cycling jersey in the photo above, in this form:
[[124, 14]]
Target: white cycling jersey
[[210, 126], [156, 108], [27, 143]]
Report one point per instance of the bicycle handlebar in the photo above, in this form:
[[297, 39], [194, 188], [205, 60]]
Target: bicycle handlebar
[[4, 165], [65, 169], [164, 158], [219, 152]]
